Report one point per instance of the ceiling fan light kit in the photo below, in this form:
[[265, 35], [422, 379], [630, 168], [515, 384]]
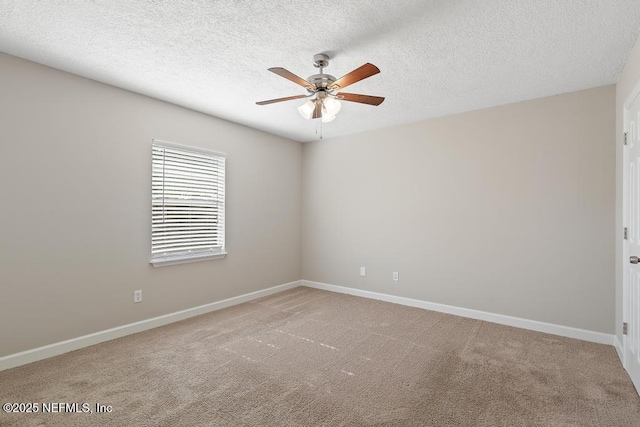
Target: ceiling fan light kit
[[324, 90], [329, 107]]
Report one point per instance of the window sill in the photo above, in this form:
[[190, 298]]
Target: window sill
[[174, 261]]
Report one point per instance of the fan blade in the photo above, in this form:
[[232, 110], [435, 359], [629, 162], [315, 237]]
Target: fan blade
[[288, 98], [360, 73], [362, 99], [317, 112], [290, 76]]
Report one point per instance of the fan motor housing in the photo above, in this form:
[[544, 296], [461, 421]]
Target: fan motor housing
[[321, 81]]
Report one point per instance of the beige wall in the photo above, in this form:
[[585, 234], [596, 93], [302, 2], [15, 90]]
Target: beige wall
[[628, 83], [508, 210], [75, 219]]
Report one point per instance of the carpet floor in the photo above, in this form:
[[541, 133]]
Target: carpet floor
[[307, 357]]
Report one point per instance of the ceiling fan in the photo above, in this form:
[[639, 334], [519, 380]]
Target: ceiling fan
[[324, 90]]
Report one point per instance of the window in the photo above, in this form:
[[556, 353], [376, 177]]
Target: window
[[187, 198]]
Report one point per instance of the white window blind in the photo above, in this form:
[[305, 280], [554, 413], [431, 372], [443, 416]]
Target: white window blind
[[187, 193]]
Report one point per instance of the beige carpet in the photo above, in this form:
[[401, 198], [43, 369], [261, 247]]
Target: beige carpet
[[306, 357]]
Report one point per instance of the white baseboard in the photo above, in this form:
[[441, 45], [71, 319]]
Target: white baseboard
[[619, 349], [33, 355], [534, 325]]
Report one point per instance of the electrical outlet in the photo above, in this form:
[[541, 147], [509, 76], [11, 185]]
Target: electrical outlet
[[363, 271], [137, 296], [396, 276]]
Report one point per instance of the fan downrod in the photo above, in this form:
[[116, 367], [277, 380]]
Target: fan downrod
[[321, 80]]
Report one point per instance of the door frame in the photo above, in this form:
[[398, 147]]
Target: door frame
[[625, 219]]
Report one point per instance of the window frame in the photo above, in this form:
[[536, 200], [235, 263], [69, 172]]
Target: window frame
[[217, 252]]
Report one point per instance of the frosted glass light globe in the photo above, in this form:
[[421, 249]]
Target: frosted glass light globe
[[331, 106], [306, 109]]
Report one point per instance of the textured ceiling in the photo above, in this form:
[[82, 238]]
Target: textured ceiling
[[436, 57]]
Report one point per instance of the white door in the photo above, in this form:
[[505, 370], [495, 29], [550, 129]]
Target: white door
[[632, 244]]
